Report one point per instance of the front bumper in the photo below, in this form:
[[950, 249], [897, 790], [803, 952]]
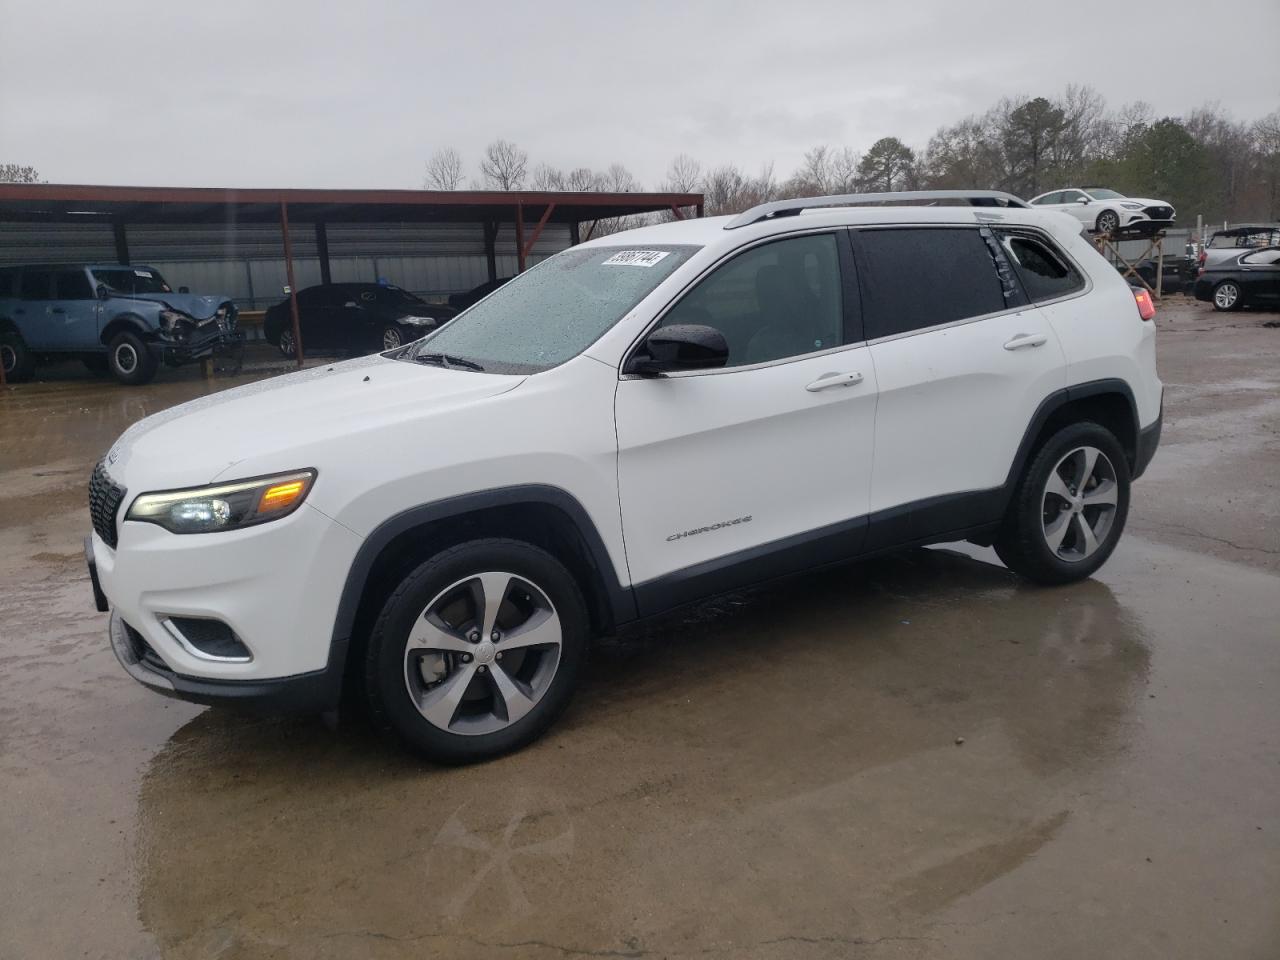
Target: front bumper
[[275, 586], [313, 692], [175, 352]]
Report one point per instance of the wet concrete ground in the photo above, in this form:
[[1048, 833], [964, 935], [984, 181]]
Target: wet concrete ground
[[771, 775]]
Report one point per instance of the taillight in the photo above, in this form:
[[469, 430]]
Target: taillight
[[1146, 308]]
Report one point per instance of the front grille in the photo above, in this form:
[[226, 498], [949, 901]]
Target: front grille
[[104, 502], [1159, 212]]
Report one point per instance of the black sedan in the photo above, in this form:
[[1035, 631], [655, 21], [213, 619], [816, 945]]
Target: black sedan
[[353, 317], [1250, 279], [460, 301]]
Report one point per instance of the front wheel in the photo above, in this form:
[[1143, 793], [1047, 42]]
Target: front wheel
[[287, 347], [129, 360], [1108, 221], [1226, 296], [477, 651], [1069, 508], [392, 338]]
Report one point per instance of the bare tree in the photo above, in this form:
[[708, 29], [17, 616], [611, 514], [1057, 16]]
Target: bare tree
[[546, 177], [444, 170], [683, 175], [814, 176], [581, 179], [618, 179], [1266, 134], [16, 173], [843, 171], [503, 166]]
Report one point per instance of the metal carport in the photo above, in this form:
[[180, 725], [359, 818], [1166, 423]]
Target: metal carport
[[529, 211]]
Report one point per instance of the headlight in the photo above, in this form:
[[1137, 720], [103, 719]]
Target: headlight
[[228, 506], [1132, 206], [417, 321], [170, 318]]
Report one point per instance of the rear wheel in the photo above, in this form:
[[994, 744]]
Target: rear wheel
[[1069, 508], [287, 347], [129, 360], [477, 651], [19, 364], [1226, 296]]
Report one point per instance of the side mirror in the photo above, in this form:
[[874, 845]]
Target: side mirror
[[350, 304], [103, 291], [184, 289], [1084, 200], [683, 346]]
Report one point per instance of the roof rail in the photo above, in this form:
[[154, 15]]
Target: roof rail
[[921, 198]]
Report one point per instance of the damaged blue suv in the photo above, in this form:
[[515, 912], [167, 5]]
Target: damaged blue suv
[[120, 319]]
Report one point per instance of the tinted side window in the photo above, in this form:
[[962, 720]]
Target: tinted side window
[[782, 299], [35, 284], [917, 278], [72, 285], [1044, 273], [8, 284], [1050, 198], [1070, 196], [1262, 257]]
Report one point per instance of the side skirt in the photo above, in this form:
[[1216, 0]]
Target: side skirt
[[961, 516]]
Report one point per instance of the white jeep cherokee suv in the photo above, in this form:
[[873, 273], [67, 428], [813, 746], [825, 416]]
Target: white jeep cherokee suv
[[638, 422]]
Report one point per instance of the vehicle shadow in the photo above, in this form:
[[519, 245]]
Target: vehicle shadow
[[792, 747]]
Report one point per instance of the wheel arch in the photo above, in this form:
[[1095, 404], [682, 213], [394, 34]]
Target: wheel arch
[[122, 322], [545, 516], [1108, 402]]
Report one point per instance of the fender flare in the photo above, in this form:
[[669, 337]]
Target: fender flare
[[619, 599], [130, 320], [1055, 401]]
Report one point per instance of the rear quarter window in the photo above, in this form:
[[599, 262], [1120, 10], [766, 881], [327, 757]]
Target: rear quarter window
[[914, 278], [1044, 272]]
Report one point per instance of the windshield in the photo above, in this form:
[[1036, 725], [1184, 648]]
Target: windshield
[[553, 312], [396, 295], [132, 280], [1102, 193]]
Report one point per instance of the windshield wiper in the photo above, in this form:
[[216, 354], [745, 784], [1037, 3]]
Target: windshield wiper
[[447, 360]]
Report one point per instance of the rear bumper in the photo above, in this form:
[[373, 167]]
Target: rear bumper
[[304, 693], [1148, 441]]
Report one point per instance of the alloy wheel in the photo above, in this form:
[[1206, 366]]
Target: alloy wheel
[[482, 654], [8, 358], [126, 358], [286, 343], [1108, 222], [1225, 297], [390, 338], [1079, 504]]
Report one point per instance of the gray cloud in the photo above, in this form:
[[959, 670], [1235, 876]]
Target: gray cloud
[[358, 95]]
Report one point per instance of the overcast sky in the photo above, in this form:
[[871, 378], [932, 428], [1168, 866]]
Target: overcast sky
[[358, 94]]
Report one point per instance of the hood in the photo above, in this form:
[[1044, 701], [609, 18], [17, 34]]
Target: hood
[[204, 439], [195, 305], [1146, 202]]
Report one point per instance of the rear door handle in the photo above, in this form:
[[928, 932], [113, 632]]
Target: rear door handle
[[1026, 340], [834, 380]]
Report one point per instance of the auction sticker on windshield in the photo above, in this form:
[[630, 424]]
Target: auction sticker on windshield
[[635, 258]]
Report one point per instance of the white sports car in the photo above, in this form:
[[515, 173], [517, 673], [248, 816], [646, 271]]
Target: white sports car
[[1103, 210]]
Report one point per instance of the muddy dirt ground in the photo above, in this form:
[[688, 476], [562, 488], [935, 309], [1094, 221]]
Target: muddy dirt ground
[[775, 774]]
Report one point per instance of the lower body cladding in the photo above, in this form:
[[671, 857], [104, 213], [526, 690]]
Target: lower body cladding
[[241, 616]]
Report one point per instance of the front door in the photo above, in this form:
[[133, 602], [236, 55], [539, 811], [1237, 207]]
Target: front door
[[762, 467]]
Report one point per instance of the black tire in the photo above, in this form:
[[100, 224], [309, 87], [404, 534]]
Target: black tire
[[1108, 221], [1022, 542], [129, 360], [285, 344], [96, 364], [1228, 296], [19, 364], [392, 708]]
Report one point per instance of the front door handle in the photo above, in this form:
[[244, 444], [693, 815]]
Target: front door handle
[[834, 380], [1026, 340]]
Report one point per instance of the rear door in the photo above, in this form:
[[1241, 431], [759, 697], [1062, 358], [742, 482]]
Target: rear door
[[962, 362], [74, 311], [34, 311], [1260, 276]]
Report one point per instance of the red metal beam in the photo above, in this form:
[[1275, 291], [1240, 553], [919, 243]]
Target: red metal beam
[[676, 211], [519, 238], [590, 230], [537, 231], [293, 287]]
